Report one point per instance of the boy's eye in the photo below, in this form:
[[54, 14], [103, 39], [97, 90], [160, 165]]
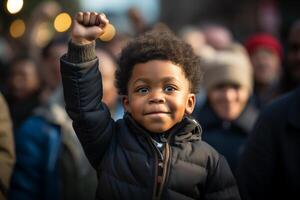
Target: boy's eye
[[169, 88], [142, 90]]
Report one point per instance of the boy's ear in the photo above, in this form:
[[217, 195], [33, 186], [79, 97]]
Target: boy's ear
[[190, 104], [125, 101]]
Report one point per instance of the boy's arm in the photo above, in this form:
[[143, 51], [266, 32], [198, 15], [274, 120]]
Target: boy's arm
[[83, 87]]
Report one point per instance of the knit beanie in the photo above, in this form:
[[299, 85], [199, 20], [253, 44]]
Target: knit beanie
[[263, 40], [228, 67]]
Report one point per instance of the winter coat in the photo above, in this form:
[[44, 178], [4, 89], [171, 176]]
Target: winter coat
[[35, 175], [7, 148], [123, 153], [50, 161], [228, 138], [270, 165]]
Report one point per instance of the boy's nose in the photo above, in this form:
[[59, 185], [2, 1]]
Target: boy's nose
[[157, 97]]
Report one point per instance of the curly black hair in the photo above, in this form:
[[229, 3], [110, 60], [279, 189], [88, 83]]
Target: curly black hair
[[158, 45]]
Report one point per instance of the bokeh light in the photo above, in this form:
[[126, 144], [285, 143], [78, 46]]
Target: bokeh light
[[14, 6], [62, 22], [17, 28], [109, 33]]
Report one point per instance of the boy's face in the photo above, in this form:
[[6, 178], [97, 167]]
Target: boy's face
[[158, 95]]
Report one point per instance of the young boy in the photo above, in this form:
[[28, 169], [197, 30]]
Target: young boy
[[155, 151]]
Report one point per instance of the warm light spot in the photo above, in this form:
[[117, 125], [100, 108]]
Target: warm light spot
[[17, 28], [109, 33], [62, 22], [14, 6]]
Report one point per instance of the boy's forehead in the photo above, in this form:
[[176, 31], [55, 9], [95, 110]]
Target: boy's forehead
[[157, 69]]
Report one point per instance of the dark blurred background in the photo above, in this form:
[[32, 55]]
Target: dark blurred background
[[242, 17], [30, 25]]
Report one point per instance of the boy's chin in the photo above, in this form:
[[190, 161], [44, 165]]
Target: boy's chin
[[158, 129]]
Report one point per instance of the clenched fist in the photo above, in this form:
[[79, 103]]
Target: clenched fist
[[87, 27]]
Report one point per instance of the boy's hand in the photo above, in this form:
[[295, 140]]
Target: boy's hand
[[87, 27]]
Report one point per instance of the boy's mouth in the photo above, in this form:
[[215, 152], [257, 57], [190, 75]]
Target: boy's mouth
[[156, 113]]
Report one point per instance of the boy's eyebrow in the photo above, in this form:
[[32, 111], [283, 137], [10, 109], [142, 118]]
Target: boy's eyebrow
[[165, 79]]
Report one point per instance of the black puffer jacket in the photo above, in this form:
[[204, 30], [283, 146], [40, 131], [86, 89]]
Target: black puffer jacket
[[122, 152]]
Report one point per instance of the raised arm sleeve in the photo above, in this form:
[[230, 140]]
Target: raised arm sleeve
[[83, 93]]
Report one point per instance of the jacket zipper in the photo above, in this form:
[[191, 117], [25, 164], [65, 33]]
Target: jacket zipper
[[165, 169], [155, 168], [166, 163], [156, 195]]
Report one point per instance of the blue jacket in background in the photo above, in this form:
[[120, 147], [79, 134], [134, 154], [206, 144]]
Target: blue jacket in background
[[36, 173]]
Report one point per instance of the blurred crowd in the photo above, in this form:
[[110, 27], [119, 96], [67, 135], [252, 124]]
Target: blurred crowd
[[41, 158]]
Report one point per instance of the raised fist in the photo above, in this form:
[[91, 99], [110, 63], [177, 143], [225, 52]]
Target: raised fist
[[87, 27]]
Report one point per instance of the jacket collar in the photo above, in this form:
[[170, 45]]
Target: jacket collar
[[245, 121], [186, 130]]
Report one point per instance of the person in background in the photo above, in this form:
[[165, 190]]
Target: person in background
[[269, 166], [195, 37], [50, 160], [291, 70], [116, 45], [227, 116], [155, 151], [110, 92], [217, 36], [266, 54], [24, 85], [49, 63], [7, 148]]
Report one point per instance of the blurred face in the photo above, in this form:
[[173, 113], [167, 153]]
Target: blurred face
[[24, 79], [294, 53], [266, 65], [158, 95], [52, 65], [228, 101], [107, 68]]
